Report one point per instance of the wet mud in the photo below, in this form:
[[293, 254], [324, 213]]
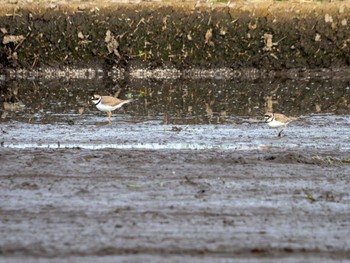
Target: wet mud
[[137, 205], [196, 193]]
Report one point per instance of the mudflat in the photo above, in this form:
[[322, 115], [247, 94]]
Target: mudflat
[[136, 192]]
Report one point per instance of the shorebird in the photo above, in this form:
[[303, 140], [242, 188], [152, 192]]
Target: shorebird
[[277, 120], [108, 104]]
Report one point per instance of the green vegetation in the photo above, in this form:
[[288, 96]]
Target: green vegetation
[[309, 196]]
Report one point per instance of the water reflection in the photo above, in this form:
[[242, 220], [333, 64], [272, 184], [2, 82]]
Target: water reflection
[[174, 101]]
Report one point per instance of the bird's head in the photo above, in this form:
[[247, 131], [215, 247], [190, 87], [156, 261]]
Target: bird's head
[[95, 99], [268, 117]]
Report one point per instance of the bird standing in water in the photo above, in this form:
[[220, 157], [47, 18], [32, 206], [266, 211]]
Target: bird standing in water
[[277, 120], [108, 104]]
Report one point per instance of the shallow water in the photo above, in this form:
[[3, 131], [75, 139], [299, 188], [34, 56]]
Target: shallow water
[[175, 114], [177, 101], [326, 132]]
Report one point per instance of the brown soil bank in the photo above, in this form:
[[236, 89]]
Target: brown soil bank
[[266, 35]]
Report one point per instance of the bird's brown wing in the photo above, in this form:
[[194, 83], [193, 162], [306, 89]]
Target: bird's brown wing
[[112, 101], [283, 118]]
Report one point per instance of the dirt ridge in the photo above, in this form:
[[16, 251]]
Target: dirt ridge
[[264, 35]]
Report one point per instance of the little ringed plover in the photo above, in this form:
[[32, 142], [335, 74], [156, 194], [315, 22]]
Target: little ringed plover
[[277, 120], [108, 104]]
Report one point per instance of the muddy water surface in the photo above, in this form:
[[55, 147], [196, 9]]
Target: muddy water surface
[[175, 114], [174, 101], [187, 172]]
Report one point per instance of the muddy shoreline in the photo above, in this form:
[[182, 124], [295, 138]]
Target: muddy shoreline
[[175, 205], [198, 193]]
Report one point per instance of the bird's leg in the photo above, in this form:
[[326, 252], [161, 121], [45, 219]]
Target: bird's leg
[[109, 117], [279, 133]]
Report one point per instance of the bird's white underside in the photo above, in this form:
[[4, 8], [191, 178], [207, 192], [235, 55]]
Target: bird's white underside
[[107, 108], [276, 124]]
